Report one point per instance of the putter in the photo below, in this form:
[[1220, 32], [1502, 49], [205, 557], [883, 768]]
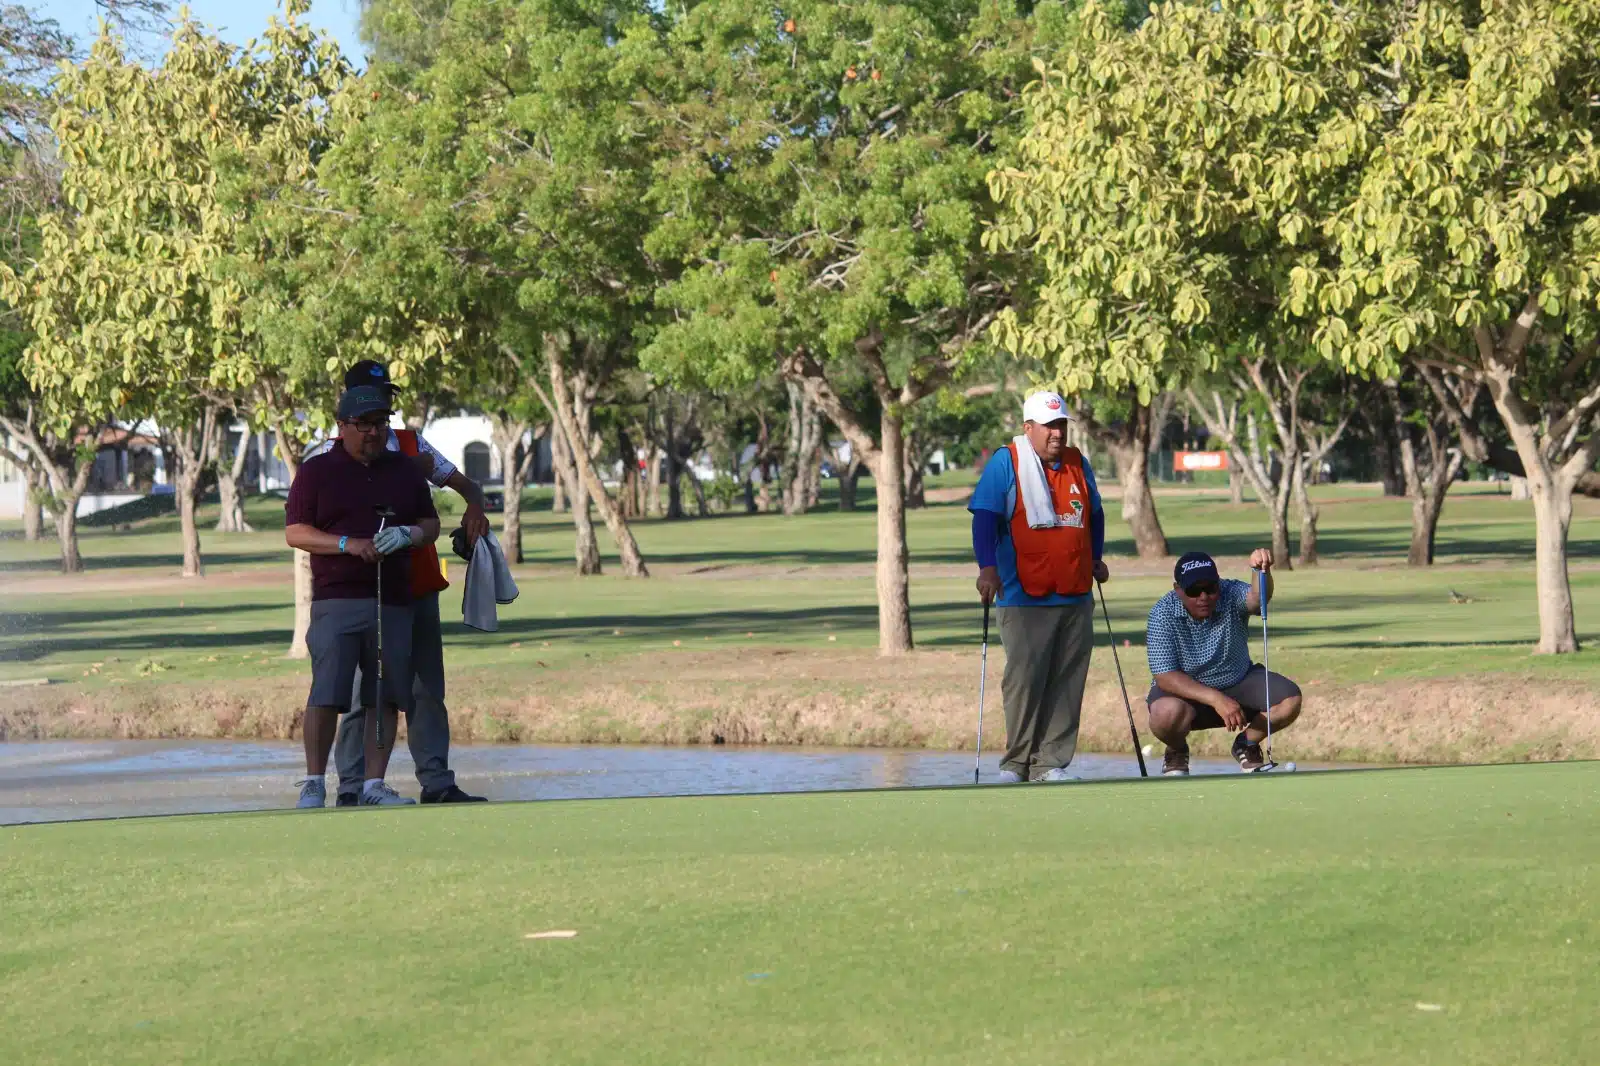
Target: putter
[[1127, 704], [983, 676], [384, 514], [1266, 675]]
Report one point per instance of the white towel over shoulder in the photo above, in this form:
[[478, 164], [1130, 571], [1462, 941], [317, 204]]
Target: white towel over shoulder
[[488, 583], [1033, 489]]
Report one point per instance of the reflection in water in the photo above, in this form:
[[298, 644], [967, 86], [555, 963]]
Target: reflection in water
[[51, 780]]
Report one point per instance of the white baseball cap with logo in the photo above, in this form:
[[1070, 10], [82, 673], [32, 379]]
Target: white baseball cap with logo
[[1045, 408]]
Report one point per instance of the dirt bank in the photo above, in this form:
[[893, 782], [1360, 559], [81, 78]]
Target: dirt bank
[[927, 700]]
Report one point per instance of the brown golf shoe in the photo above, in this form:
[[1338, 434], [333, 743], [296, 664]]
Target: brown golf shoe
[[1175, 763]]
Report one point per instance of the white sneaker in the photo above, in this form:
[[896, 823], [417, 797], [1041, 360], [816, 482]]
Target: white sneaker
[[1009, 777], [313, 793], [381, 795], [1059, 773]]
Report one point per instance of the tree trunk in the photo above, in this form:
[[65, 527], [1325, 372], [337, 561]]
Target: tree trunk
[[1280, 532], [1235, 486], [263, 459], [229, 493], [33, 505], [559, 463], [702, 507], [1552, 509], [67, 534], [629, 491], [1130, 455], [801, 469], [1425, 510], [652, 482], [1551, 487], [586, 549], [849, 478], [632, 561], [506, 434], [911, 470], [894, 581], [195, 446], [789, 471], [1308, 517], [669, 426], [300, 562]]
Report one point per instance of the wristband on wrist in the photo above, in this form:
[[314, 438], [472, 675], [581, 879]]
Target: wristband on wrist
[[342, 542]]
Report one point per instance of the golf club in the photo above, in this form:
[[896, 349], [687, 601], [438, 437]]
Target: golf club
[[384, 514], [1127, 704], [983, 676], [1266, 672]]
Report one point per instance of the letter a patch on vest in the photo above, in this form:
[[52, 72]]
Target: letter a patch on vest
[[1074, 490]]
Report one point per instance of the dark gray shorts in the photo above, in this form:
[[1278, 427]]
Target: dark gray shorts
[[427, 655], [344, 636], [1251, 693]]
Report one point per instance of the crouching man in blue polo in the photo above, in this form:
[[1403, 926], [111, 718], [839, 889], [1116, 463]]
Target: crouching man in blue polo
[[1202, 677]]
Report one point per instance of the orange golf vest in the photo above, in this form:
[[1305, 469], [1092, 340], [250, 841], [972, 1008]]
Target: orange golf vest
[[1060, 559], [426, 577]]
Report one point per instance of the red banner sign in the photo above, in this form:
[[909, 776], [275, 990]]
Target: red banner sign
[[1199, 460]]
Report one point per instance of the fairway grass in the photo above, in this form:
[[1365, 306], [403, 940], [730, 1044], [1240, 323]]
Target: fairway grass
[[1421, 916], [761, 629]]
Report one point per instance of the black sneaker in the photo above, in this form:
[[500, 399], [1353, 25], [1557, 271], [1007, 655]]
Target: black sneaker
[[453, 794], [1175, 763], [348, 799], [1249, 755]]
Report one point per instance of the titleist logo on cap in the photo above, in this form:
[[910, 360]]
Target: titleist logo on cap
[[1195, 564]]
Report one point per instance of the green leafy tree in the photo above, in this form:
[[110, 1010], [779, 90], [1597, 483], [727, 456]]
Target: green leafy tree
[[484, 210], [133, 313], [823, 187], [1472, 243]]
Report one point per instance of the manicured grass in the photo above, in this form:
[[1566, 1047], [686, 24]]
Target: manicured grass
[[797, 582], [1417, 916]]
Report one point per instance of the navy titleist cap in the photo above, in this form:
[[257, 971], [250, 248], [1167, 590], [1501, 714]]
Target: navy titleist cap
[[1194, 568]]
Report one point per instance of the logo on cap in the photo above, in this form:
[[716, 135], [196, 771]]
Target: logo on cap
[[1196, 564], [1053, 403]]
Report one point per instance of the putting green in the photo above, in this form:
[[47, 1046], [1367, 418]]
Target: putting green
[[1408, 916]]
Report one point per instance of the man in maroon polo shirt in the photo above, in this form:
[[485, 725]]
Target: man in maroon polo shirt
[[333, 513]]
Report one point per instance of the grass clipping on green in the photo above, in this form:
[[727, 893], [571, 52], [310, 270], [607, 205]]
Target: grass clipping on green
[[1442, 915]]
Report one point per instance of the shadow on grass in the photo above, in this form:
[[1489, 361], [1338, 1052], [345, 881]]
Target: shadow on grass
[[213, 561]]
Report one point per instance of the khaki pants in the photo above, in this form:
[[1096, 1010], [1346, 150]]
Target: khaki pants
[[1047, 663]]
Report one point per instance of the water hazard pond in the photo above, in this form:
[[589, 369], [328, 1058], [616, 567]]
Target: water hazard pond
[[55, 780]]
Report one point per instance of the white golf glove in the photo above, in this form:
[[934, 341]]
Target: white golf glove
[[393, 539]]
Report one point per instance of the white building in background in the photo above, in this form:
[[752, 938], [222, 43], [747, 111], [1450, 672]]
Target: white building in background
[[132, 464]]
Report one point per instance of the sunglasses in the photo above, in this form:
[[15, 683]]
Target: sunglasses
[[367, 425], [1208, 588]]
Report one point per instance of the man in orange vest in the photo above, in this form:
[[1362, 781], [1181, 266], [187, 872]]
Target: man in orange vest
[[1038, 533], [428, 722]]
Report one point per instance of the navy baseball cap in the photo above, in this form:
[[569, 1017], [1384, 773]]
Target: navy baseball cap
[[368, 372], [1194, 568], [362, 401]]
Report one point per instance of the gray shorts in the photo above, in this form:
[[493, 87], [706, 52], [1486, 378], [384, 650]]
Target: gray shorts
[[344, 636], [1251, 693]]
